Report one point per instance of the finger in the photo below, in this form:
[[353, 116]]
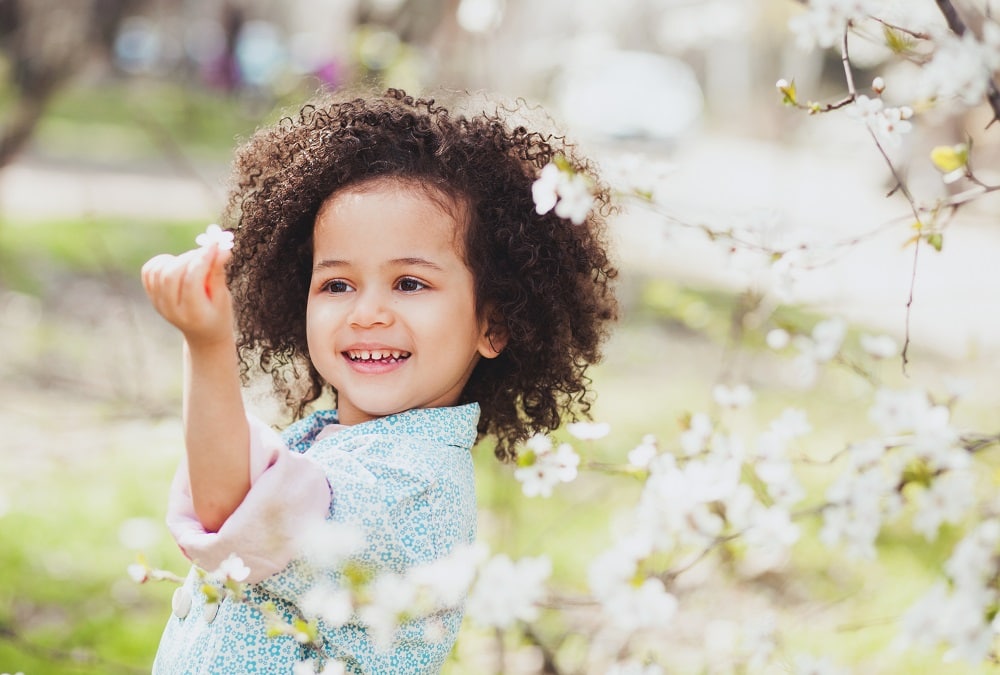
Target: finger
[[152, 270], [185, 272], [215, 280]]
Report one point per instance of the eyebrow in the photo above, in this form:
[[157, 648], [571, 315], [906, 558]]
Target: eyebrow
[[395, 262]]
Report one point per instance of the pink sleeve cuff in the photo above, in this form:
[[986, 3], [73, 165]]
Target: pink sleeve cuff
[[285, 488]]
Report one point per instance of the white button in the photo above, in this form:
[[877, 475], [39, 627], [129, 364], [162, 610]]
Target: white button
[[211, 609], [181, 603]]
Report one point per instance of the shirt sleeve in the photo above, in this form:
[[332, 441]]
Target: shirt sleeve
[[285, 488]]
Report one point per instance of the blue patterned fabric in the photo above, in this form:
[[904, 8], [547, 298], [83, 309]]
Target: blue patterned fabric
[[407, 480]]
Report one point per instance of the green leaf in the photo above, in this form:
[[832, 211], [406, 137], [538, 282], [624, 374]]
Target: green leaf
[[789, 95], [950, 158], [935, 240], [212, 593], [896, 40]]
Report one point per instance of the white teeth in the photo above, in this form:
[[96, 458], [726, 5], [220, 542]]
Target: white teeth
[[376, 355]]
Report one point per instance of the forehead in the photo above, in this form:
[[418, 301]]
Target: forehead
[[389, 213]]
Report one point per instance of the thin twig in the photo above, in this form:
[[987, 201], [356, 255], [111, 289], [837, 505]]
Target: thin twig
[[977, 443], [549, 666], [501, 651], [912, 33], [845, 59], [901, 186], [909, 306]]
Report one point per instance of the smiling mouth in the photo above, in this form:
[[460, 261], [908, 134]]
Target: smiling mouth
[[376, 355]]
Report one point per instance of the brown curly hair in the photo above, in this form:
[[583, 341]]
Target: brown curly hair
[[546, 281]]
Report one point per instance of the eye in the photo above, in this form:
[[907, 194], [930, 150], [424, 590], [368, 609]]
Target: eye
[[336, 286], [410, 285]]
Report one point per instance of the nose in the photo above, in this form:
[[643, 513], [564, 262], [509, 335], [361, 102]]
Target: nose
[[370, 308]]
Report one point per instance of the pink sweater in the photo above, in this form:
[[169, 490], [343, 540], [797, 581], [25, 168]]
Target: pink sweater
[[286, 488]]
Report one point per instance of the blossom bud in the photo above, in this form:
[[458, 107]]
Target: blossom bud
[[878, 85]]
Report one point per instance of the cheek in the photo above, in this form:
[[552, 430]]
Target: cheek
[[314, 322]]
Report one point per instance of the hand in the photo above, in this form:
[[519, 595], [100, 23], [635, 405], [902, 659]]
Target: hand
[[190, 292]]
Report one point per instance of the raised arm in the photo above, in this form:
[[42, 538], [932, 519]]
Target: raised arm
[[190, 292]]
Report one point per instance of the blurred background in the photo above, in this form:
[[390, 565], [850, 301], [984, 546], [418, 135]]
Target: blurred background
[[117, 122]]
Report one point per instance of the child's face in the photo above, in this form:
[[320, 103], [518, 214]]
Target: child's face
[[391, 320]]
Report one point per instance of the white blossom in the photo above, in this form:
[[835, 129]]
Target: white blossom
[[888, 124], [866, 108], [898, 411], [327, 602], [641, 455], [588, 431], [859, 502], [777, 338], [694, 438], [947, 500], [937, 442], [865, 454], [327, 543], [791, 423], [448, 579], [569, 192], [975, 558], [772, 526], [925, 428], [893, 124], [961, 66], [675, 506], [575, 199], [634, 173], [617, 565], [506, 591], [628, 608], [779, 477], [827, 337], [737, 396], [544, 468], [232, 568], [954, 618], [138, 572], [391, 598], [544, 191], [957, 387], [215, 235], [310, 668], [823, 22], [879, 346]]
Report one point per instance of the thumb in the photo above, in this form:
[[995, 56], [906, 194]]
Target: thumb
[[215, 274]]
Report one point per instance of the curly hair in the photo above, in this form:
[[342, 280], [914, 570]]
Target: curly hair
[[547, 282]]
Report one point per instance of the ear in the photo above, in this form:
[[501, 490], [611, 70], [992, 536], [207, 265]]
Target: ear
[[493, 336]]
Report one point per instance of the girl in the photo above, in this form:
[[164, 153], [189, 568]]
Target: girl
[[389, 254]]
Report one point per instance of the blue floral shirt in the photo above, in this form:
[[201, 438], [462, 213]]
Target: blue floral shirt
[[407, 481]]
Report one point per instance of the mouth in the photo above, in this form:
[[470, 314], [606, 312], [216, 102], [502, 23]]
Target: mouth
[[386, 356]]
